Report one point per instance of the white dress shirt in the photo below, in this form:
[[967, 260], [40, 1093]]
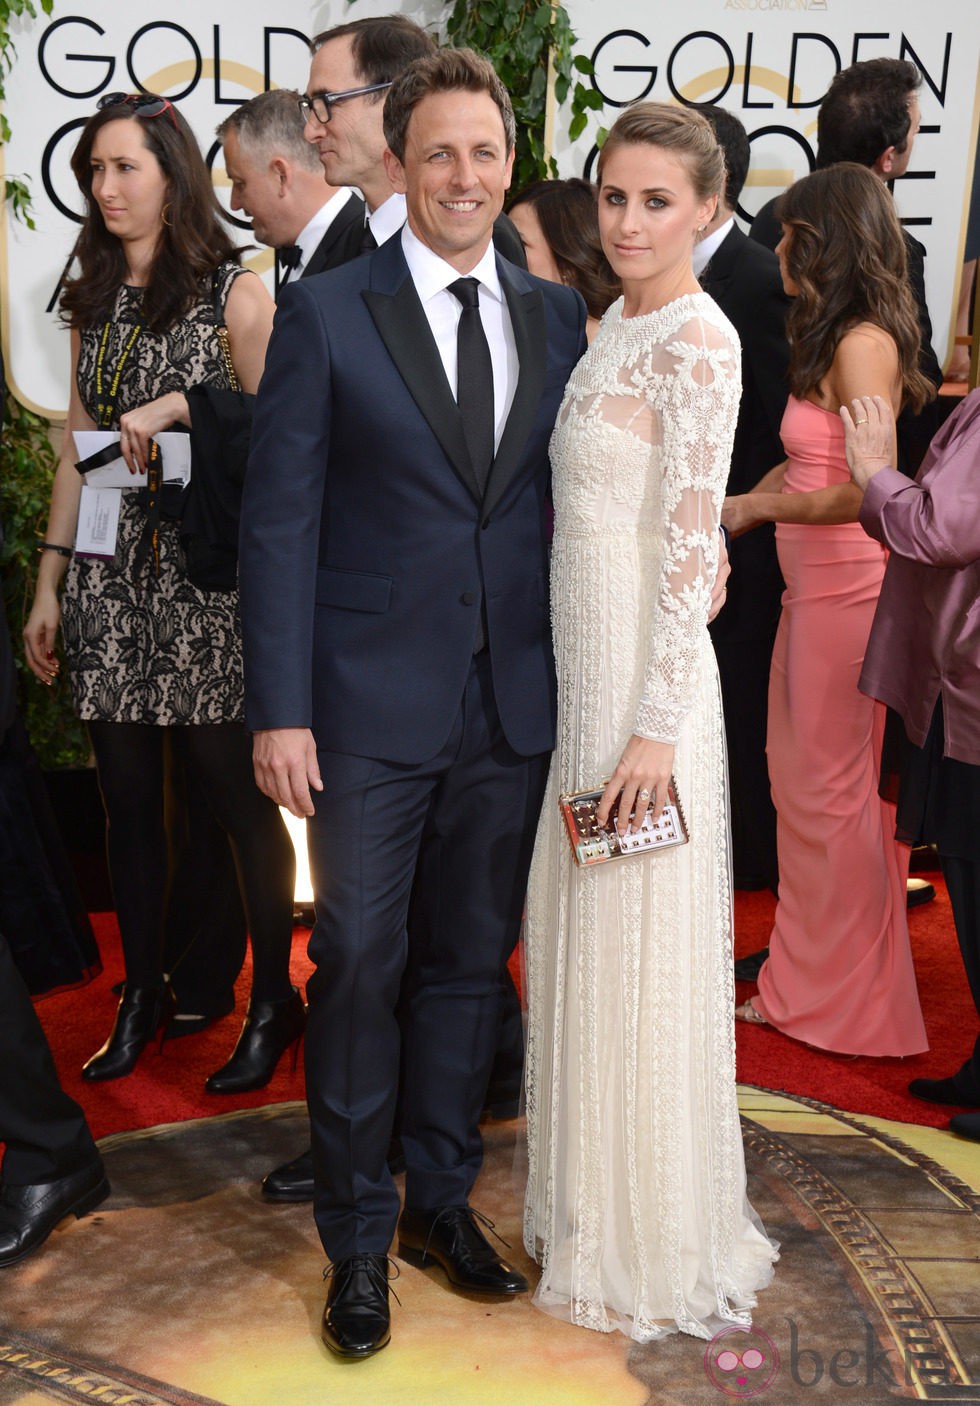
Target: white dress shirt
[[388, 218], [704, 248], [432, 277]]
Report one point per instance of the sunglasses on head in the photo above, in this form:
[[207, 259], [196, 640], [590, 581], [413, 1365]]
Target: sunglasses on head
[[142, 104]]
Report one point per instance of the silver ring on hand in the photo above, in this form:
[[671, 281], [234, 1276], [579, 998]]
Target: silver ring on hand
[[864, 421], [644, 793]]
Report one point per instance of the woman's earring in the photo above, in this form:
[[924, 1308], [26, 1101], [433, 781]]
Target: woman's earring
[[163, 216]]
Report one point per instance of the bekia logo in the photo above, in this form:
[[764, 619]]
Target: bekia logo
[[741, 1362]]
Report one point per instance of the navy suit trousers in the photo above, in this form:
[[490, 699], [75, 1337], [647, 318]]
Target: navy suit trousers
[[470, 813]]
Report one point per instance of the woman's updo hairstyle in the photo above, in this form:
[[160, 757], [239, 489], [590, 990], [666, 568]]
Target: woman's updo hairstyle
[[680, 130]]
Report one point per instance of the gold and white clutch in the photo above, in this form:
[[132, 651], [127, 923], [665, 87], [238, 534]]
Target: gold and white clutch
[[593, 845]]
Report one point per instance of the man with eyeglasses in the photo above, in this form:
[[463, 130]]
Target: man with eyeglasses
[[352, 69]]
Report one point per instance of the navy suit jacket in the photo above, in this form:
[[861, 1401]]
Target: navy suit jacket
[[366, 545]]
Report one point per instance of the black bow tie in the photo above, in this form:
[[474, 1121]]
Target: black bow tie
[[289, 255]]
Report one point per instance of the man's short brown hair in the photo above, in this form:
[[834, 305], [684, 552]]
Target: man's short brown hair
[[382, 46], [445, 71]]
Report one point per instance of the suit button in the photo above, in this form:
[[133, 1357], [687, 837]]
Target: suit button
[[468, 598]]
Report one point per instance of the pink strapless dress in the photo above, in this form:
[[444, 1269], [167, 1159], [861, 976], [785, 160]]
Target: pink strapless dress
[[839, 973]]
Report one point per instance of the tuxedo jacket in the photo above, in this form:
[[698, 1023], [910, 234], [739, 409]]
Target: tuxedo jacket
[[367, 547], [744, 280], [342, 240]]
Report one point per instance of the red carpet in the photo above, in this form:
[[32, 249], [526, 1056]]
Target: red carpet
[[858, 1084], [166, 1088], [170, 1087]]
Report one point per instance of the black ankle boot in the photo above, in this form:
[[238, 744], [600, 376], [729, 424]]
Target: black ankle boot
[[143, 1012], [271, 1028]]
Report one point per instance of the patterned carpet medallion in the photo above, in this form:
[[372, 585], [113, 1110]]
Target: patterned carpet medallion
[[184, 1287]]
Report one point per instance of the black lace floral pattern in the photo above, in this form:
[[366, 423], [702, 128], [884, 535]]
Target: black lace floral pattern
[[145, 648]]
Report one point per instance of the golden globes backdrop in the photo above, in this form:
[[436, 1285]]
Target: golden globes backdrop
[[770, 61], [206, 55]]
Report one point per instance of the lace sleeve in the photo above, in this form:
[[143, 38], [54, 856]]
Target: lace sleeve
[[696, 399]]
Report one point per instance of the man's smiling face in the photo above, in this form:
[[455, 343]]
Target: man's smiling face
[[455, 173]]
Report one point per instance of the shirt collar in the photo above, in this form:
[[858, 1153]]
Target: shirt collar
[[388, 218], [704, 249], [311, 233], [432, 274]]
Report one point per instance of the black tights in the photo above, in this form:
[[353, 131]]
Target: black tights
[[130, 761]]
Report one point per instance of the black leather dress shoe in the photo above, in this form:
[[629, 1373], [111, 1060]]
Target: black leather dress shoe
[[195, 1023], [917, 892], [966, 1125], [748, 968], [452, 1239], [28, 1214], [293, 1181], [356, 1320], [949, 1091]]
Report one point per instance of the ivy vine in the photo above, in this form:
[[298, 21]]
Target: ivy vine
[[17, 192], [523, 39], [27, 465]]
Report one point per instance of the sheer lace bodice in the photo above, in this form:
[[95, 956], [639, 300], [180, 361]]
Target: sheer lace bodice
[[636, 1203], [642, 445]]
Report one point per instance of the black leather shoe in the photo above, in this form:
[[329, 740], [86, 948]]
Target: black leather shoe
[[947, 1091], [452, 1239], [966, 1125], [193, 1024], [748, 968], [28, 1214], [356, 1319], [142, 1013], [293, 1181], [918, 891], [270, 1029]]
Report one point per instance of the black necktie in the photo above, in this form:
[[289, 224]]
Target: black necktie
[[289, 255], [474, 378], [368, 241]]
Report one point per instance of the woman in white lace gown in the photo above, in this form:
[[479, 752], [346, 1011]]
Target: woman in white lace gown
[[636, 1206]]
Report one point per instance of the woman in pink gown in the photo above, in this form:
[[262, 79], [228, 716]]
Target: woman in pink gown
[[839, 973]]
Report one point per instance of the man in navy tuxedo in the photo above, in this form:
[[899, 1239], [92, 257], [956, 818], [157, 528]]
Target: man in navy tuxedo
[[399, 674]]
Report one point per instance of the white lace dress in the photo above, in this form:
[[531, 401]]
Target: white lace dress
[[636, 1206]]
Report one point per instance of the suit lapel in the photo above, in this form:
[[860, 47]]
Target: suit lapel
[[527, 319], [721, 265], [333, 247], [403, 327]]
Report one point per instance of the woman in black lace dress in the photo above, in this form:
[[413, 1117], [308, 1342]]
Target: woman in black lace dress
[[151, 656]]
